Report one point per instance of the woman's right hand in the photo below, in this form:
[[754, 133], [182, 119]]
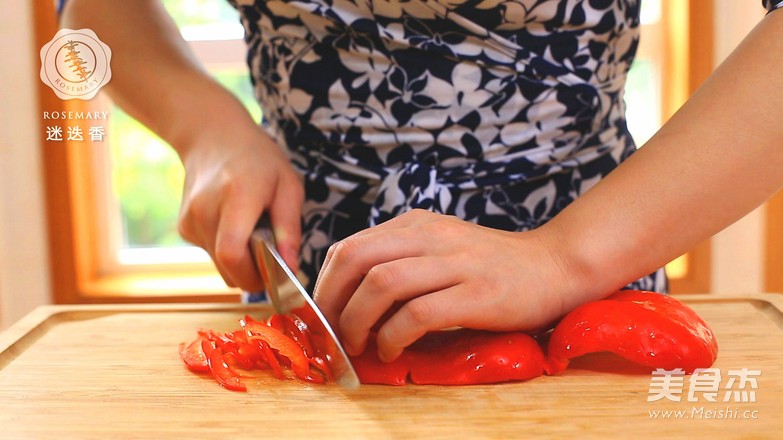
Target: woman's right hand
[[232, 176]]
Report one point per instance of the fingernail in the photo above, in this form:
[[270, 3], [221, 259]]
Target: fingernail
[[350, 349], [386, 357], [291, 257]]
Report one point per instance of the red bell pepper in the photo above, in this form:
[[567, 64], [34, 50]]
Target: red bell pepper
[[467, 357], [371, 370], [645, 327], [270, 358], [456, 357]]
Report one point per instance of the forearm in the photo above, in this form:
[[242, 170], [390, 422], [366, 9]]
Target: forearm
[[155, 77], [714, 161]]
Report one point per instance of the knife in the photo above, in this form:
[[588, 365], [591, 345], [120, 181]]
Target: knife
[[287, 293]]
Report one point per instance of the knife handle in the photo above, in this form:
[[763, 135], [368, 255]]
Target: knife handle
[[263, 222]]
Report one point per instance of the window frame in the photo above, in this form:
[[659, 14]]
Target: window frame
[[71, 196], [773, 275], [73, 221], [212, 54], [684, 70]]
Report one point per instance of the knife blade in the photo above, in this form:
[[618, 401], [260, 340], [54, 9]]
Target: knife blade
[[287, 293]]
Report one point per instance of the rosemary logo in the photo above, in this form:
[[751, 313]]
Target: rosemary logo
[[75, 64]]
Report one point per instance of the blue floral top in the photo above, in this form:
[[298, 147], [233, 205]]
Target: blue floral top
[[498, 112]]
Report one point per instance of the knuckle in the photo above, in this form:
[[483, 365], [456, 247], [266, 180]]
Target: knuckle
[[347, 326], [187, 227], [382, 277], [387, 337], [186, 231], [447, 228], [344, 251], [420, 312], [299, 192], [330, 252], [227, 254], [229, 186], [196, 210]]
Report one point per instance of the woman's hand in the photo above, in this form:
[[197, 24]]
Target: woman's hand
[[232, 176], [422, 271]]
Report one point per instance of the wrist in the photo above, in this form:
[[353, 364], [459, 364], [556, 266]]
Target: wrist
[[580, 264], [196, 117]]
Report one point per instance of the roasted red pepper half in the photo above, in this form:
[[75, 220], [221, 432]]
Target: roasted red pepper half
[[644, 327], [466, 357], [371, 370], [457, 357]]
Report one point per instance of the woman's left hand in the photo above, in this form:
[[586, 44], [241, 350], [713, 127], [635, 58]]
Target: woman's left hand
[[423, 271]]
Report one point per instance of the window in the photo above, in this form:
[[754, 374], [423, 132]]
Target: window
[[142, 176], [113, 206], [674, 56]]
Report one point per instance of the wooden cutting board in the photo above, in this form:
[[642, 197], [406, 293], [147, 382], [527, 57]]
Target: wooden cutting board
[[114, 372]]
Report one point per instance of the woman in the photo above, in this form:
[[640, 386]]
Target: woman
[[499, 114]]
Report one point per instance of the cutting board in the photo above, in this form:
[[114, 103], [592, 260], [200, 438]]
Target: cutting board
[[113, 372]]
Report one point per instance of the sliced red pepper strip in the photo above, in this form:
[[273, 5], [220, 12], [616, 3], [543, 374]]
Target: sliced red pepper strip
[[194, 356], [306, 314], [220, 370], [235, 359], [320, 363], [312, 341], [252, 352], [644, 327], [276, 322], [270, 358], [283, 345], [229, 344], [297, 330]]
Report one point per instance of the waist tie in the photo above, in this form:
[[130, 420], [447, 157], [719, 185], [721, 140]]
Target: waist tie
[[415, 183], [421, 182]]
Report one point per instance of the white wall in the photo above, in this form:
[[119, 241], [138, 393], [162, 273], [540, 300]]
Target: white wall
[[24, 274], [738, 251]]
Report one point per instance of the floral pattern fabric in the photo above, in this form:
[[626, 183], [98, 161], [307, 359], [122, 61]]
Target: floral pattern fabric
[[498, 112], [772, 5]]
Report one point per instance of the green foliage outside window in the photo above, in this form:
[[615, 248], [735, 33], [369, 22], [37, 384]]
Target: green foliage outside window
[[200, 12]]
